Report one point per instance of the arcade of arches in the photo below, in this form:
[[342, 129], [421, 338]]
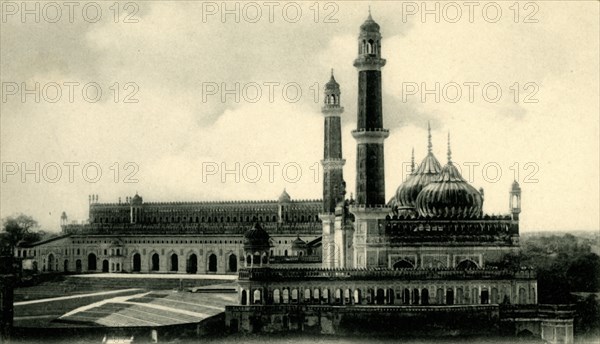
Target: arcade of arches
[[396, 293]]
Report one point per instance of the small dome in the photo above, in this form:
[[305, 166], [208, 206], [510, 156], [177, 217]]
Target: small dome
[[369, 25], [449, 196], [298, 244], [332, 84], [137, 199], [515, 186], [427, 172], [256, 238], [284, 197]]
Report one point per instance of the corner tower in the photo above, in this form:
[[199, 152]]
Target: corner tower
[[369, 134]]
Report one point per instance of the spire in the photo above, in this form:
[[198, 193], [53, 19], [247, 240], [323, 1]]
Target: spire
[[449, 150], [412, 161], [370, 18], [429, 145]]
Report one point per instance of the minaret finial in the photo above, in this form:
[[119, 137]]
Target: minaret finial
[[429, 145], [412, 161], [449, 150]]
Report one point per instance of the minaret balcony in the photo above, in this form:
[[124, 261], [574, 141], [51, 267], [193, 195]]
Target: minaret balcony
[[331, 109], [369, 62], [372, 135]]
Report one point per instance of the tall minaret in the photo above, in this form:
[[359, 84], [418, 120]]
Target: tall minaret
[[333, 177], [333, 164], [369, 134], [369, 210]]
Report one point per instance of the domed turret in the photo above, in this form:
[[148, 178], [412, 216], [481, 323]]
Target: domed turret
[[256, 246], [450, 195], [427, 172], [256, 239]]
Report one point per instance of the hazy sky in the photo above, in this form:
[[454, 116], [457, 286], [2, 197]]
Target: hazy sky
[[175, 58]]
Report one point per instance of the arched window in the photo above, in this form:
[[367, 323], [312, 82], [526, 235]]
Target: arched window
[[174, 262], [212, 263], [155, 262]]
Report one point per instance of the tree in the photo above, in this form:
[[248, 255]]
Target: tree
[[18, 228]]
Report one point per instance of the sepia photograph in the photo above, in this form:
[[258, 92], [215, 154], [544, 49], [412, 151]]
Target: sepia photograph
[[331, 172]]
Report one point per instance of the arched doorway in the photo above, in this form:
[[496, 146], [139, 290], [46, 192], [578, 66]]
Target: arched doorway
[[212, 263], [466, 264], [155, 262], [403, 264], [425, 296], [192, 264], [450, 296], [91, 266], [232, 263], [244, 298], [78, 265], [50, 262], [105, 265], [66, 265], [380, 296], [174, 262], [137, 262]]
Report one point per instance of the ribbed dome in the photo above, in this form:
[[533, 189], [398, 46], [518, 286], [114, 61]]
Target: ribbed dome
[[256, 238], [449, 196], [427, 172]]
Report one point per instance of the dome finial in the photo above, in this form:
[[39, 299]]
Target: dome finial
[[412, 161], [449, 150], [370, 12], [429, 145]]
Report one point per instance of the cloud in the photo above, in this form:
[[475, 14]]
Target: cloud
[[172, 130]]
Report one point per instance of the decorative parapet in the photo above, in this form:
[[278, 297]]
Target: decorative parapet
[[402, 228], [270, 274], [190, 228]]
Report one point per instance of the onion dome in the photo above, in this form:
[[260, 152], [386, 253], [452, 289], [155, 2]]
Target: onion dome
[[256, 239], [450, 195], [284, 197], [369, 25], [427, 172], [298, 244]]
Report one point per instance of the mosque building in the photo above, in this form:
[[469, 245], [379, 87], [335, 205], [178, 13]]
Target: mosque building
[[428, 258]]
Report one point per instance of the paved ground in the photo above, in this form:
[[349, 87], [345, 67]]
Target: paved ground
[[93, 304], [152, 309]]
